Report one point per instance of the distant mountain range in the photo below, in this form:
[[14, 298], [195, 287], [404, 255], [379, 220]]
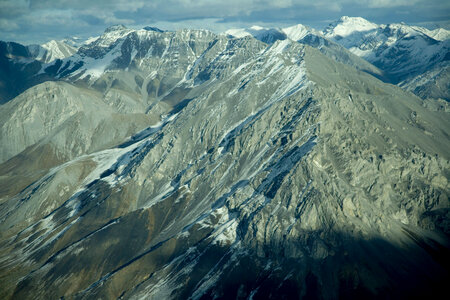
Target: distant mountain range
[[414, 57], [259, 163]]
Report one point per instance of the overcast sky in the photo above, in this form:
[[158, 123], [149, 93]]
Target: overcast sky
[[37, 21]]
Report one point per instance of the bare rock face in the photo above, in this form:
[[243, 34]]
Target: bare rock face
[[257, 171]]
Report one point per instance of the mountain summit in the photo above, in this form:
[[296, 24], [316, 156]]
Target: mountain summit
[[346, 26]]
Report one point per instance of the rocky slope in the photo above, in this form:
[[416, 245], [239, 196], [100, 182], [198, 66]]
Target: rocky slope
[[434, 83], [73, 120], [263, 171]]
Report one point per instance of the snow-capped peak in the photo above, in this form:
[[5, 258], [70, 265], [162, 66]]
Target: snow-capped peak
[[361, 23], [51, 51], [112, 34], [115, 28], [296, 32], [345, 26]]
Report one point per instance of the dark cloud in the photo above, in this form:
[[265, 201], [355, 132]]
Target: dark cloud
[[13, 9], [40, 20]]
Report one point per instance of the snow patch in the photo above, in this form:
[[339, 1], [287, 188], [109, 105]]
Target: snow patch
[[96, 67]]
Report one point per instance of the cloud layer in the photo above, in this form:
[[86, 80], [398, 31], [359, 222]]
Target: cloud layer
[[29, 21]]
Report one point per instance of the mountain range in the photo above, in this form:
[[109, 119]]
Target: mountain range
[[259, 163]]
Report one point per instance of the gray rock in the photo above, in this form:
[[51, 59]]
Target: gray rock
[[275, 172]]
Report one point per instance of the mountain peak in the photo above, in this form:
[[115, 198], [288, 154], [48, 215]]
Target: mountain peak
[[111, 35], [51, 51], [115, 28], [352, 19], [296, 32], [348, 25]]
